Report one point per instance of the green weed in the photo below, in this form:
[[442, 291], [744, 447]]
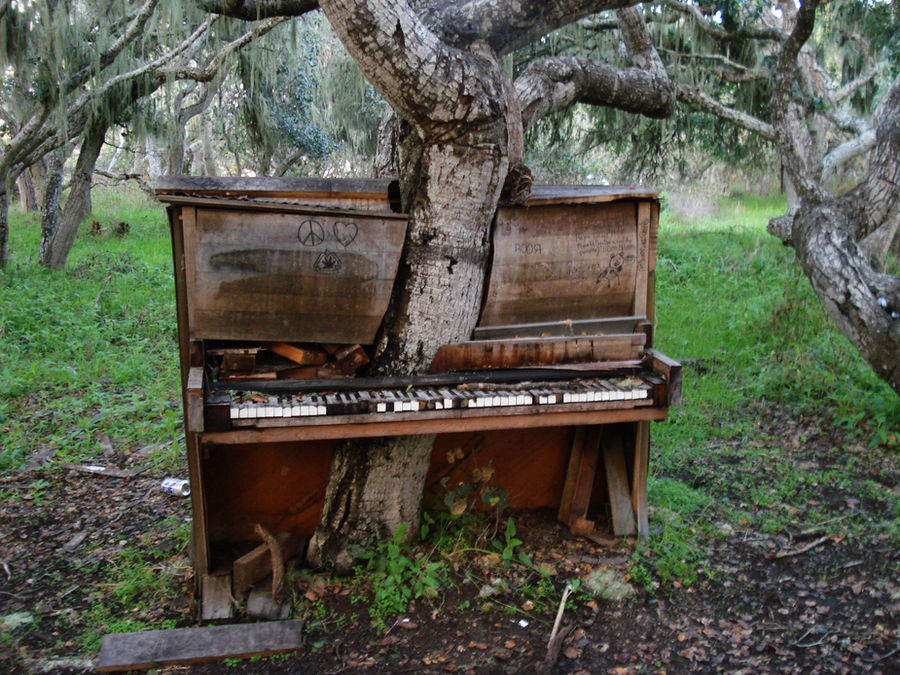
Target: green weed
[[398, 576]]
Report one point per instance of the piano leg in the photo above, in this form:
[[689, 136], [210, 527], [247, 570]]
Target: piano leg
[[639, 477], [199, 535]]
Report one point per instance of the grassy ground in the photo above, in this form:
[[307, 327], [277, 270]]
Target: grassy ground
[[783, 431]]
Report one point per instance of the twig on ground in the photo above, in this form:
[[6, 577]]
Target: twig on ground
[[553, 649], [884, 656], [803, 549], [559, 613], [799, 643]]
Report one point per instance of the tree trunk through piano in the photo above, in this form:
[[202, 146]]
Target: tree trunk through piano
[[453, 165], [462, 126]]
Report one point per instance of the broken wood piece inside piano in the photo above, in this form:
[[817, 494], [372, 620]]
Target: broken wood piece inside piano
[[281, 286]]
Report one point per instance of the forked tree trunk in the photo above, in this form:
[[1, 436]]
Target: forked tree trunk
[[862, 302], [56, 243]]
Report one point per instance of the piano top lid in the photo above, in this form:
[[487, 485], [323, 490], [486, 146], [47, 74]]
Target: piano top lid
[[231, 186], [585, 194], [379, 193]]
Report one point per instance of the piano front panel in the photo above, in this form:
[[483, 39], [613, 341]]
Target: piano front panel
[[566, 261], [289, 277]]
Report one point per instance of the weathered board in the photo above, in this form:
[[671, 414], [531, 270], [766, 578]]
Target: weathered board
[[288, 277], [554, 261], [147, 649], [512, 353], [357, 194]]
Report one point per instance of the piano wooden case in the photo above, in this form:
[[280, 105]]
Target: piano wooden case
[[554, 391]]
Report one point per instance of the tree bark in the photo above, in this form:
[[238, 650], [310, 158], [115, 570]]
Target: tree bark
[[55, 250], [863, 303], [4, 225], [50, 205], [453, 158], [27, 196]]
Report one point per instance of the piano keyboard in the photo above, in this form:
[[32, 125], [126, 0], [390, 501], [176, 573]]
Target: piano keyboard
[[247, 406]]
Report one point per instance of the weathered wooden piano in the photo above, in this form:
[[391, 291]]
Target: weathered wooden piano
[[281, 286]]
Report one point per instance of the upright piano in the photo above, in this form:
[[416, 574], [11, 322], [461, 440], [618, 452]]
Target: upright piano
[[281, 286]]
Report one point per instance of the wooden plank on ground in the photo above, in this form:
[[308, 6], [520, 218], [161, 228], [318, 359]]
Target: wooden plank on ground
[[577, 495], [215, 593], [565, 502], [617, 485], [181, 646], [262, 605]]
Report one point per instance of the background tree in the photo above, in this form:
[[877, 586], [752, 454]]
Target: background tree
[[72, 75]]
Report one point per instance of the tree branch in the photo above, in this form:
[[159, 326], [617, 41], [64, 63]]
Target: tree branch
[[123, 40], [718, 32], [786, 118], [556, 82], [693, 96], [253, 10], [208, 72], [505, 26]]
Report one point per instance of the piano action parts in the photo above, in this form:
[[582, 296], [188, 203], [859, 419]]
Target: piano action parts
[[281, 286]]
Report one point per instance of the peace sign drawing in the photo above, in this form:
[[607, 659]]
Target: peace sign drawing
[[311, 233]]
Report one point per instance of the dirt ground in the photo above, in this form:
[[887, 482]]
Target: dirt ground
[[804, 600]]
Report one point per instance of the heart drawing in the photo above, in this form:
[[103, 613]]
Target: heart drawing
[[345, 233]]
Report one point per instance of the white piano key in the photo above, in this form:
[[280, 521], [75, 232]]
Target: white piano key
[[295, 410], [235, 412], [321, 410]]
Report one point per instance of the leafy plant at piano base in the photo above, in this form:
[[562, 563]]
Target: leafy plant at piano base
[[399, 574]]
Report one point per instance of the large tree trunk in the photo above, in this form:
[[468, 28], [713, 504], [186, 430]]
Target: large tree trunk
[[849, 289], [56, 243], [862, 302], [452, 192], [454, 149]]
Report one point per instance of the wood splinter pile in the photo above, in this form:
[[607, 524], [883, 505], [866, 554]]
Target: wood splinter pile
[[283, 361]]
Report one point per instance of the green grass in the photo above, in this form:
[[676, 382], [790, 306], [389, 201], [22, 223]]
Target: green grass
[[735, 308], [91, 349]]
